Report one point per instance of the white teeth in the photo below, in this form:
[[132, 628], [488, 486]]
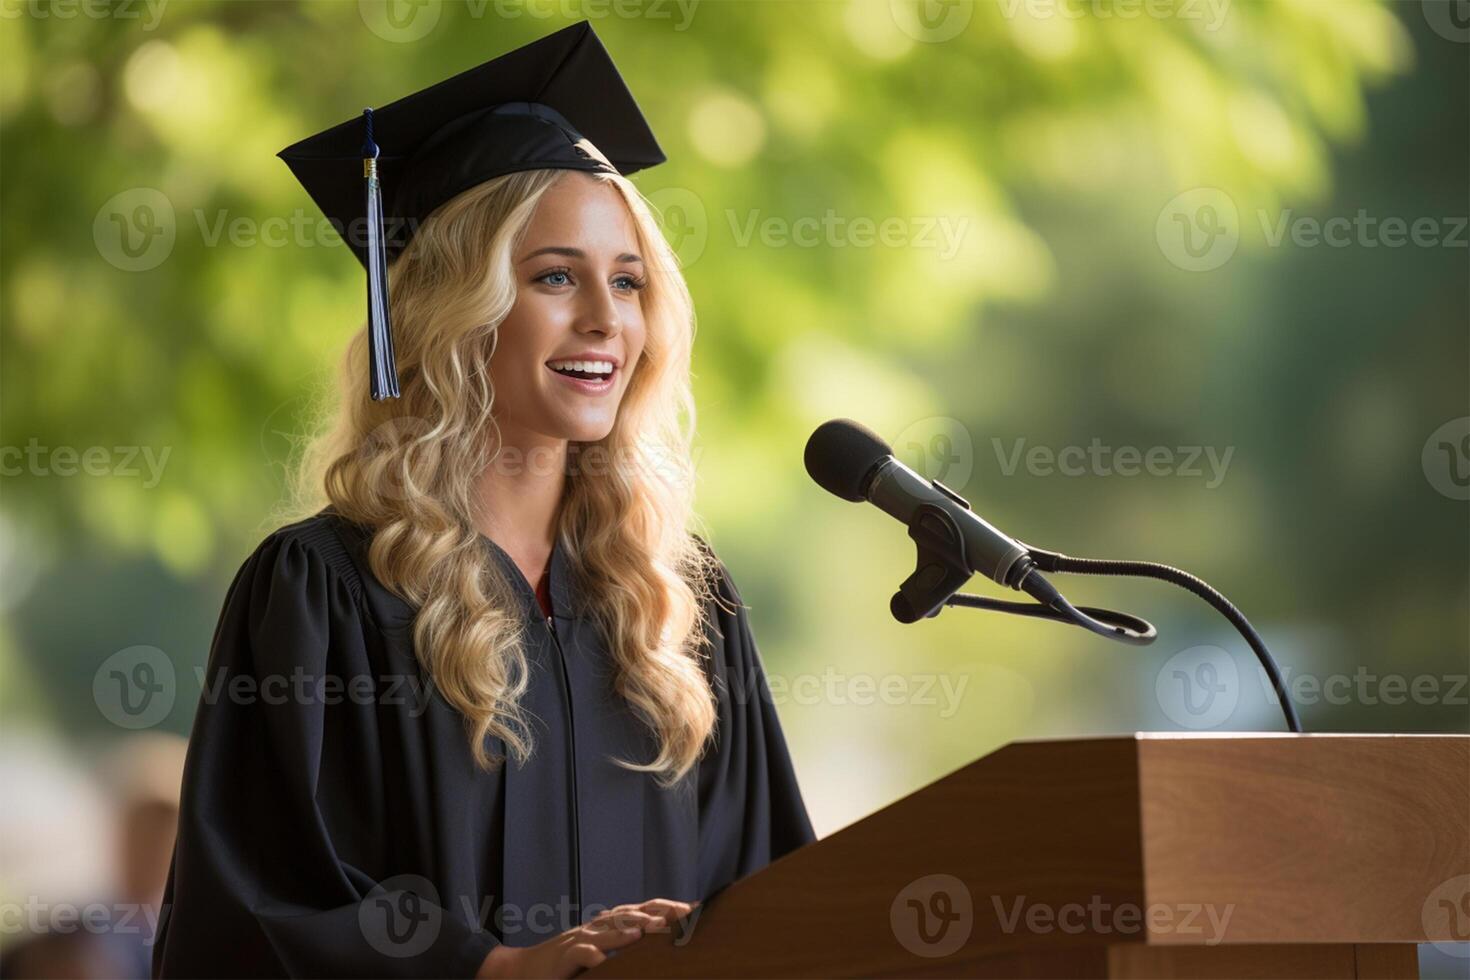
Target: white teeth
[[591, 367]]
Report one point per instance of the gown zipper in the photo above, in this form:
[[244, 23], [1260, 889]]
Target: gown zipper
[[572, 741]]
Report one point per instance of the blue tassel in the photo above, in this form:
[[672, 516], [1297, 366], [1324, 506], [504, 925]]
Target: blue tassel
[[382, 363]]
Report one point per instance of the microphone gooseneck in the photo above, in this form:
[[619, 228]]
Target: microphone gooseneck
[[1052, 561]]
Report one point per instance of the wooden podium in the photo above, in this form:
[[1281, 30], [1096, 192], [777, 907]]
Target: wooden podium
[[1234, 856]]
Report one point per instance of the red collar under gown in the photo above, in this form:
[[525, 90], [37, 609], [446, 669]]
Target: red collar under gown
[[333, 822]]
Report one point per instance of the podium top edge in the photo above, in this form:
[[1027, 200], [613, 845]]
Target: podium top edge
[[1224, 736], [1293, 735]]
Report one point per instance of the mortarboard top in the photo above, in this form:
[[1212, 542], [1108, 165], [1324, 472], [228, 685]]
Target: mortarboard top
[[556, 103]]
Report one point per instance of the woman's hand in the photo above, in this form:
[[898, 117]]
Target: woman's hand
[[584, 946]]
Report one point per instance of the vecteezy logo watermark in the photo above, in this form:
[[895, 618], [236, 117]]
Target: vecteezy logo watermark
[[937, 448], [1447, 913], [135, 688], [405, 440], [685, 223], [932, 916], [1099, 916], [1450, 19], [932, 21], [68, 461], [1199, 229], [1446, 458], [135, 229], [281, 447], [400, 21], [1199, 687], [1100, 459], [150, 12], [401, 916]]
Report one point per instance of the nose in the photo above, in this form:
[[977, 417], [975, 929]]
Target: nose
[[599, 313]]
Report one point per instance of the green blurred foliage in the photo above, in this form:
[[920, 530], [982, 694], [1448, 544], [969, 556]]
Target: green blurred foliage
[[1021, 162]]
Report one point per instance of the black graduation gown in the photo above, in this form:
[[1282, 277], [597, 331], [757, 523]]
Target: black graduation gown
[[333, 822]]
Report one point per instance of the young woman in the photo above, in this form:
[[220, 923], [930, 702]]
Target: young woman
[[493, 710]]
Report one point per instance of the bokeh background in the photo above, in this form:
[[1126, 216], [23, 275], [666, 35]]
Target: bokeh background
[[1182, 280]]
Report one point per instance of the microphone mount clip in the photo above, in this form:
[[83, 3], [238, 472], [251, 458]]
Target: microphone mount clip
[[942, 567]]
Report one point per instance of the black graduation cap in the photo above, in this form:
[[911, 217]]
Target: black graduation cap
[[556, 103]]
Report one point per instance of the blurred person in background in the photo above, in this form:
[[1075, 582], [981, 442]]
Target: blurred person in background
[[102, 938]]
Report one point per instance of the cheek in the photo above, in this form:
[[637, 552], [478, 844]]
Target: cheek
[[635, 335], [523, 335]]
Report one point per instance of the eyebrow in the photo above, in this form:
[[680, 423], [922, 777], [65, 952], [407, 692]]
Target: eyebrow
[[575, 253]]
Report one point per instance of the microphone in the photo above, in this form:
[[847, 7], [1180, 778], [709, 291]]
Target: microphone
[[849, 460]]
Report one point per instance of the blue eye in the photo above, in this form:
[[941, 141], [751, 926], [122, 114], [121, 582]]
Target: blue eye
[[558, 278]]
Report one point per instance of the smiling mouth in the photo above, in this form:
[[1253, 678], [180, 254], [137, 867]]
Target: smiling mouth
[[586, 378], [584, 375]]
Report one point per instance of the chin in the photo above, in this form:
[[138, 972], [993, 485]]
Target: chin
[[577, 429], [589, 433]]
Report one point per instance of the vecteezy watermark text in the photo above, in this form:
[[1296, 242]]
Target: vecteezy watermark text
[[34, 916], [149, 12], [1099, 459], [1201, 687], [402, 916], [303, 688], [67, 461], [1099, 916], [404, 23], [1200, 229], [944, 233], [832, 687], [1211, 13]]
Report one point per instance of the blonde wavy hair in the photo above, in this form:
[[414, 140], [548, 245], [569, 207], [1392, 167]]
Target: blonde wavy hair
[[408, 469]]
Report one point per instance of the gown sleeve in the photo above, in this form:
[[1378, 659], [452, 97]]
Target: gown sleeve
[[276, 871], [750, 806]]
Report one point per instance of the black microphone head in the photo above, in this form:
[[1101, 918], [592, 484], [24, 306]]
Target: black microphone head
[[841, 454]]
